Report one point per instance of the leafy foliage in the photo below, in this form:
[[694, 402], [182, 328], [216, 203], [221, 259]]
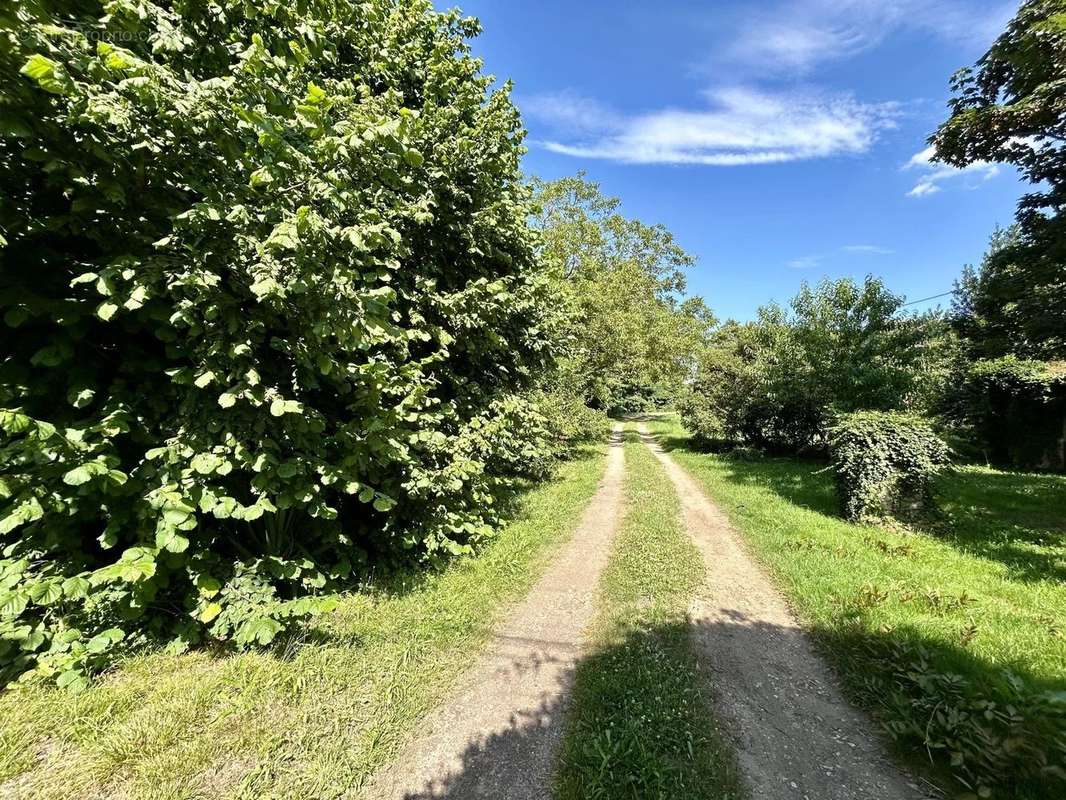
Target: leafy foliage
[[885, 463], [1011, 108], [1016, 409], [840, 347], [269, 306], [629, 335], [568, 421], [992, 734]]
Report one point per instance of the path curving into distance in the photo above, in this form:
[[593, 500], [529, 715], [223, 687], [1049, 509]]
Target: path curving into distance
[[796, 736], [497, 734]]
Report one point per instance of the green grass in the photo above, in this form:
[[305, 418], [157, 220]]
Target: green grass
[[310, 720], [980, 594], [640, 727]]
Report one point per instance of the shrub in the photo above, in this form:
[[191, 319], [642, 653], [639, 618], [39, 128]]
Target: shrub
[[569, 422], [1016, 409], [884, 462], [992, 733], [701, 420], [269, 308]]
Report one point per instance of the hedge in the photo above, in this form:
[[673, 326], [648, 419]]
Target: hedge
[[1017, 411], [270, 309]]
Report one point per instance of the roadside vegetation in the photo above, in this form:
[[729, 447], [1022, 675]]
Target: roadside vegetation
[[641, 723], [289, 338], [951, 634], [943, 611], [256, 353], [311, 717]]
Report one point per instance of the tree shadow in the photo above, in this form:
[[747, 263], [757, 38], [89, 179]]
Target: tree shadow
[[960, 719], [922, 693], [646, 416], [802, 482], [594, 739], [499, 765], [1018, 519]]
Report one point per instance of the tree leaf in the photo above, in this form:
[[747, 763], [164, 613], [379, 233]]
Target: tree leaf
[[78, 476], [209, 612], [205, 463], [13, 603], [106, 310], [46, 592], [76, 587]]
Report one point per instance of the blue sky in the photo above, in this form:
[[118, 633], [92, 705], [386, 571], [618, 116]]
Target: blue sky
[[780, 142]]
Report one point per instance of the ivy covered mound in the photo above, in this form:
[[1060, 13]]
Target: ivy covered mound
[[885, 463], [269, 309]]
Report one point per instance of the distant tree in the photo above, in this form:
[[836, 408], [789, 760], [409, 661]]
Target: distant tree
[[841, 346], [629, 330], [978, 309], [1011, 108]]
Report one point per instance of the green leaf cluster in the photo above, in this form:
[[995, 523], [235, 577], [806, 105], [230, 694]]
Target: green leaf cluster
[[885, 463], [270, 307]]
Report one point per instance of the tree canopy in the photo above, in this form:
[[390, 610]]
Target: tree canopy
[[1011, 108], [628, 327]]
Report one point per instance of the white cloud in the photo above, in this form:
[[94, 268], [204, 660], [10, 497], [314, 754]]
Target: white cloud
[[933, 175], [570, 111], [805, 262], [922, 188], [797, 35], [872, 249], [741, 126], [816, 259]]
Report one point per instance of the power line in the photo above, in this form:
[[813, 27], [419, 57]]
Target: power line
[[934, 297]]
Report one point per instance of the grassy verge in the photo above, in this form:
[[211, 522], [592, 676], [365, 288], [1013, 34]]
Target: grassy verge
[[925, 628], [639, 726], [313, 719]]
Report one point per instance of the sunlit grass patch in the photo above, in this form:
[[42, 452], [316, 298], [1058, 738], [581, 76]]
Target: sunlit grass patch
[[313, 718]]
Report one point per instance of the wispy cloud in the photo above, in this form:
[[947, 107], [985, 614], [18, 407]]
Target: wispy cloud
[[872, 249], [797, 35], [817, 259], [570, 112], [932, 176], [739, 126], [805, 262]]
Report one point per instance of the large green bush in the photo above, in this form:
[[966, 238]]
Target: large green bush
[[1016, 410], [885, 463], [269, 305]]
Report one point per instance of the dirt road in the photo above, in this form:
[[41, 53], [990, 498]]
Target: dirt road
[[498, 733], [796, 736]]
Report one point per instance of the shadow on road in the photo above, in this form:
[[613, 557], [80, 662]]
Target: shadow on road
[[896, 675]]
